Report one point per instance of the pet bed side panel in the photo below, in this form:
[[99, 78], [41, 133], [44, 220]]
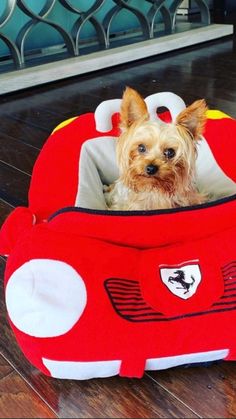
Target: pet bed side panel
[[221, 137], [106, 330], [150, 229], [54, 181]]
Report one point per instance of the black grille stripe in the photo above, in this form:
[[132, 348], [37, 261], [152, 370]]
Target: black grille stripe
[[143, 303], [135, 293], [119, 288], [229, 289], [126, 282], [229, 268], [126, 298], [229, 276], [130, 299], [224, 303], [233, 263], [227, 296]]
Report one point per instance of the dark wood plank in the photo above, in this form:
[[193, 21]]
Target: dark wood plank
[[18, 400], [5, 368], [5, 210], [210, 391], [37, 118], [61, 100], [111, 397], [68, 101], [17, 154], [14, 185], [24, 132]]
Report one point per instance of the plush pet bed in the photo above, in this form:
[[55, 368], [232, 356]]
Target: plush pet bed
[[95, 293]]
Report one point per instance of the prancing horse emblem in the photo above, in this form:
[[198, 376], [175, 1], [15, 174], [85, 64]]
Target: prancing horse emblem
[[182, 279]]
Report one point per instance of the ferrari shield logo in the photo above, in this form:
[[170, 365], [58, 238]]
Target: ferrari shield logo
[[182, 280]]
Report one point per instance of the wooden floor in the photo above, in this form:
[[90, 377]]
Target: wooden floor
[[26, 119]]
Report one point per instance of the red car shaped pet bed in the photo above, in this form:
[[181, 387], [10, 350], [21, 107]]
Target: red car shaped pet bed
[[95, 293]]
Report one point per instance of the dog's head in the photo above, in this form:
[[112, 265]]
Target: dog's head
[[153, 154]]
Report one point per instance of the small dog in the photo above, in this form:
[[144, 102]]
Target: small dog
[[156, 160]]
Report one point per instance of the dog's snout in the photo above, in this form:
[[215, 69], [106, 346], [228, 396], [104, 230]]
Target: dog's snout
[[151, 169]]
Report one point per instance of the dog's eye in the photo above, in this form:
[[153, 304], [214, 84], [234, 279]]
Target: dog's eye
[[169, 153], [142, 148]]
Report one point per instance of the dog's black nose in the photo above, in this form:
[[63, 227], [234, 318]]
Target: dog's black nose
[[151, 169]]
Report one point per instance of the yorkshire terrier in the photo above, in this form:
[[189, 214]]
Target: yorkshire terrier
[[156, 160]]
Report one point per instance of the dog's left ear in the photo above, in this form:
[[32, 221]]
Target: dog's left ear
[[193, 118], [133, 108]]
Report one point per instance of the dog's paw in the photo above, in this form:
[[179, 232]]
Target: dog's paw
[[108, 194], [106, 188]]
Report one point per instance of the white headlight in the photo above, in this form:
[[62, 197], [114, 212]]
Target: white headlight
[[45, 298]]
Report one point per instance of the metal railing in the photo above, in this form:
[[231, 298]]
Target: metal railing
[[73, 42]]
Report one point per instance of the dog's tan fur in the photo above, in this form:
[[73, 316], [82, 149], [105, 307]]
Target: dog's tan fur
[[174, 183]]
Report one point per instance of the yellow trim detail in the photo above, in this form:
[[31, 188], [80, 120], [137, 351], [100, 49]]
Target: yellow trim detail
[[215, 114], [211, 114], [64, 123]]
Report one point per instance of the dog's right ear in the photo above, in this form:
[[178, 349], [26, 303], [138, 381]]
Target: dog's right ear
[[194, 118], [133, 108]]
